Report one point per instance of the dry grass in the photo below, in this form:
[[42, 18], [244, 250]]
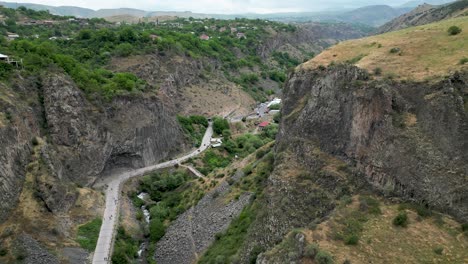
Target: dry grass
[[426, 52], [382, 242]]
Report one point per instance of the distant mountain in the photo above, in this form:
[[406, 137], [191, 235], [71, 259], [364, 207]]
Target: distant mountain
[[373, 15], [56, 10], [425, 14], [415, 3]]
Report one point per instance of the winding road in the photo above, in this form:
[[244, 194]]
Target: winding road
[[105, 242]]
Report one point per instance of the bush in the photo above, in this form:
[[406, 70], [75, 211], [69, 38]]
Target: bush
[[323, 257], [311, 250], [378, 71], [352, 239], [401, 219], [463, 61], [439, 250], [395, 50], [157, 230], [34, 141], [464, 227], [454, 30], [3, 252]]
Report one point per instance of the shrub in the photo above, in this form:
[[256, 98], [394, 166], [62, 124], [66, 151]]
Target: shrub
[[401, 219], [395, 50], [378, 71], [454, 30], [3, 252], [352, 239], [464, 227], [323, 257], [463, 61], [34, 141], [157, 230], [439, 250], [311, 250]]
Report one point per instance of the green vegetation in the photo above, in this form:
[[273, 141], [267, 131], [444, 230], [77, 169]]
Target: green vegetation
[[88, 234], [275, 107], [356, 59], [84, 47], [439, 250], [454, 30], [227, 245], [171, 194], [125, 248], [352, 223], [395, 50], [195, 126], [219, 125], [421, 210], [323, 257], [378, 71], [401, 219], [463, 61]]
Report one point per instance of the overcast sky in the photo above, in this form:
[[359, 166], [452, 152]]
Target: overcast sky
[[218, 6]]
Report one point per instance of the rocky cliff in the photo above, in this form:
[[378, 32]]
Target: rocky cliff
[[343, 132], [84, 140], [425, 14]]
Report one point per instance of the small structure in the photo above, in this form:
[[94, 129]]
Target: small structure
[[233, 30], [216, 140], [274, 102], [12, 36], [262, 125], [204, 37], [241, 35], [223, 29], [7, 59]]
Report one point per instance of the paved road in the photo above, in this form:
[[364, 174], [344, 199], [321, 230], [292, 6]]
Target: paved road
[[105, 243]]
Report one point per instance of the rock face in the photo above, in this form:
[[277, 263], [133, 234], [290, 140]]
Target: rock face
[[425, 14], [342, 131], [33, 253], [408, 139], [195, 230], [85, 140], [18, 123]]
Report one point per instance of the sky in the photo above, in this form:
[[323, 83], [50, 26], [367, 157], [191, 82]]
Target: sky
[[219, 6]]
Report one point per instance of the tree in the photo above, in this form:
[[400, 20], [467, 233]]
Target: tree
[[157, 229], [220, 124], [454, 30]]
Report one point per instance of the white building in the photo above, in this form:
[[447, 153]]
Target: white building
[[274, 102]]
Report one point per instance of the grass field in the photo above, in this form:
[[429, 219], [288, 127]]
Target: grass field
[[428, 238], [88, 234], [418, 53]]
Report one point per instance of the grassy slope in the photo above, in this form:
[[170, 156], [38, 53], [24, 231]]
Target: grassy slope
[[426, 51], [382, 242]]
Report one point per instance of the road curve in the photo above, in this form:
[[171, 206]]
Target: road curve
[[105, 242]]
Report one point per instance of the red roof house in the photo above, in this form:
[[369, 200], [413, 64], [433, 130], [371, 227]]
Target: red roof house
[[263, 124], [204, 37]]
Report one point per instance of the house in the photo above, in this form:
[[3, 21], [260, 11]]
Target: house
[[262, 125], [10, 60], [223, 29], [241, 35], [4, 57], [233, 30], [274, 102], [204, 37], [216, 141], [12, 36], [217, 145]]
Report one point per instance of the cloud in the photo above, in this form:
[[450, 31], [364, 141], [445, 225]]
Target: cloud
[[219, 6]]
